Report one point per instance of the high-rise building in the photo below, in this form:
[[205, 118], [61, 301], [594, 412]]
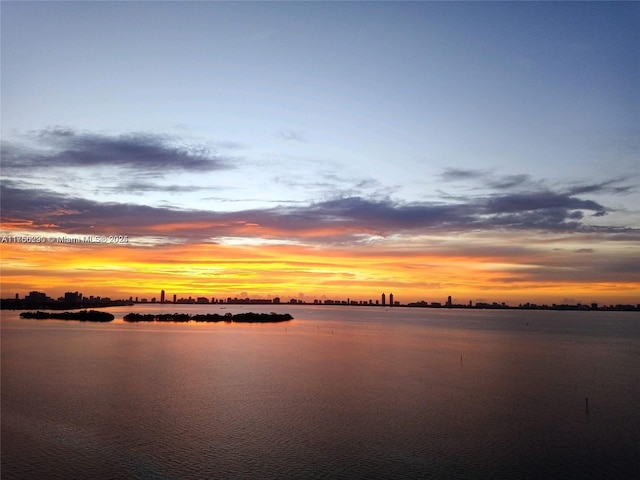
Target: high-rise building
[[391, 299], [36, 297], [72, 298], [162, 296], [384, 299]]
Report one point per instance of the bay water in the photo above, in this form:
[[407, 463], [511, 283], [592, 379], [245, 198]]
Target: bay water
[[336, 393]]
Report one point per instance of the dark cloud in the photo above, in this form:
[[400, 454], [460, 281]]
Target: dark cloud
[[540, 201], [53, 132], [386, 215], [44, 209], [140, 152], [541, 210], [47, 209], [488, 179], [455, 174], [550, 219], [338, 219]]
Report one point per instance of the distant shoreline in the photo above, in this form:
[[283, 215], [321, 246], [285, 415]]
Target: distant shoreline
[[7, 305]]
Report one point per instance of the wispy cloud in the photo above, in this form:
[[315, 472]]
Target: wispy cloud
[[615, 186], [293, 135], [330, 185], [507, 182], [489, 179], [140, 188]]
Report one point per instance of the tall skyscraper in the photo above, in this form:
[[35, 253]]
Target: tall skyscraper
[[391, 299], [384, 299], [162, 296]]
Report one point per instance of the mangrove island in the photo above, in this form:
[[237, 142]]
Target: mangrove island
[[82, 315], [249, 317]]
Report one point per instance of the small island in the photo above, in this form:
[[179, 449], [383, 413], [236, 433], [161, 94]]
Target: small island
[[82, 315], [249, 317]]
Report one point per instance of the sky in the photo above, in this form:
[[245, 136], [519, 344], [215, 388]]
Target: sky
[[322, 150]]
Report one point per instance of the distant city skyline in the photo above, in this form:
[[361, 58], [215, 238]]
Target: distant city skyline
[[484, 150], [76, 300]]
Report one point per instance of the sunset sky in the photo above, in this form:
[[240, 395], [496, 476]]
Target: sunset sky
[[487, 151]]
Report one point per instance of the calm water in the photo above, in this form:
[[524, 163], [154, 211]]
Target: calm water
[[336, 393]]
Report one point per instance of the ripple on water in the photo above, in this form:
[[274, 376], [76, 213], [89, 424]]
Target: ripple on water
[[376, 400]]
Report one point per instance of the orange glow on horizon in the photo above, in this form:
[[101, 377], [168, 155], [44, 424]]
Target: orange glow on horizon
[[286, 271]]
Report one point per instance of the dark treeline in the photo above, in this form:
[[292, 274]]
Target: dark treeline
[[83, 316], [249, 317]]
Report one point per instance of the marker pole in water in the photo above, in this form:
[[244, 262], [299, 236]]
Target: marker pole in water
[[586, 404]]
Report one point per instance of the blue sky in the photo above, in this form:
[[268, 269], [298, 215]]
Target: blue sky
[[298, 104]]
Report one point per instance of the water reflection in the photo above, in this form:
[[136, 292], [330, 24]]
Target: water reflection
[[385, 395]]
